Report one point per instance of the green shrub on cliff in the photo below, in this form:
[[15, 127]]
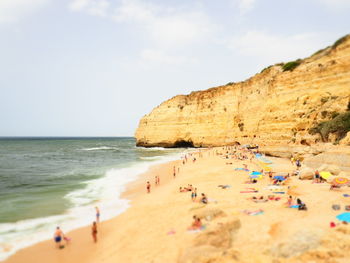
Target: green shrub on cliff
[[290, 66], [339, 41], [339, 125]]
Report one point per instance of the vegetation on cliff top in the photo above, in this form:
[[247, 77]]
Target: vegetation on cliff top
[[340, 41], [291, 65]]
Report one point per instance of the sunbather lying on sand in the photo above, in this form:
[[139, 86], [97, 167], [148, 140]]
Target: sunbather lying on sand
[[302, 206], [204, 199], [260, 199], [274, 198], [334, 186], [196, 224]]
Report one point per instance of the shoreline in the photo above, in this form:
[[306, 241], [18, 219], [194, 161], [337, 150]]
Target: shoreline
[[154, 227], [132, 190]]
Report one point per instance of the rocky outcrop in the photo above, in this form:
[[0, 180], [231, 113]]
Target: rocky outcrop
[[275, 107], [306, 174], [213, 245]]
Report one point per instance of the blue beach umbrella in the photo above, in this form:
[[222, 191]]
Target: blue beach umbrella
[[255, 173], [281, 178], [344, 217]]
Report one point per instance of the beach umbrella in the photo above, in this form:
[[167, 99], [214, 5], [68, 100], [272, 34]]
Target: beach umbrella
[[340, 181], [344, 217], [325, 175], [281, 178], [255, 173]]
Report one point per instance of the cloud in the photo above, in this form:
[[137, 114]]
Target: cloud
[[12, 11], [91, 7], [167, 27], [275, 48]]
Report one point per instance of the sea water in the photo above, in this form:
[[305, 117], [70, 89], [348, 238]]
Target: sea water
[[49, 182]]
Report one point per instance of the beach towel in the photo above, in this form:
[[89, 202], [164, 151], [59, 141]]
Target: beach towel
[[253, 213], [171, 232], [346, 195], [294, 206], [203, 227], [279, 192], [241, 169]]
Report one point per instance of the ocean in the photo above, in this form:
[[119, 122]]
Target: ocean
[[46, 182]]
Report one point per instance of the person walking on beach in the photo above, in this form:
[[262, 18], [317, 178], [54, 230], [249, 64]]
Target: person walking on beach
[[97, 214], [58, 236], [156, 180], [94, 231], [194, 194], [148, 188], [174, 173]]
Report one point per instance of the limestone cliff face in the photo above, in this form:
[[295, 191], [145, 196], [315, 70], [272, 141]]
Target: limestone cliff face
[[274, 107]]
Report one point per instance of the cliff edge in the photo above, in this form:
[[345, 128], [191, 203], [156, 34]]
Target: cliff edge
[[285, 104]]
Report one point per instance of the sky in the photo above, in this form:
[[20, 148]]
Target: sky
[[95, 67]]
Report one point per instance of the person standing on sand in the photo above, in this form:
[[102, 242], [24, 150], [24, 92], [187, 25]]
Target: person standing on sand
[[194, 194], [97, 214], [174, 172], [148, 188], [58, 236], [94, 231], [156, 180]]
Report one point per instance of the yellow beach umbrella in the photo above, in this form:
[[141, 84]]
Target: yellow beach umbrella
[[325, 175]]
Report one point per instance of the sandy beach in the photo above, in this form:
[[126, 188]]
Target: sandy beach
[[237, 229]]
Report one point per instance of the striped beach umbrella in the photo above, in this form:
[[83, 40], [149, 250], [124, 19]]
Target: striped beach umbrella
[[340, 181]]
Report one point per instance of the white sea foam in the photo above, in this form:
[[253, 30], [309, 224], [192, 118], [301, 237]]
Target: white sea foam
[[150, 158], [103, 192], [101, 148], [154, 148]]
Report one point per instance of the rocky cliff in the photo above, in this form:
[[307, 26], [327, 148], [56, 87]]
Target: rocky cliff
[[278, 106]]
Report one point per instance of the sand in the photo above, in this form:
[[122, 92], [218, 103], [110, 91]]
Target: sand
[[154, 228]]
